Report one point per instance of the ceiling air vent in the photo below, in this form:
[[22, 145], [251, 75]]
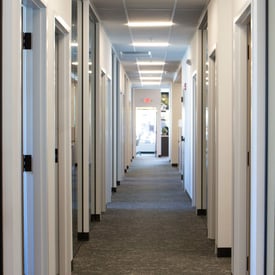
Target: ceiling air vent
[[136, 54]]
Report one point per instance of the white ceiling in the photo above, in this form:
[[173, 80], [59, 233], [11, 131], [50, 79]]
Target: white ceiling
[[114, 14]]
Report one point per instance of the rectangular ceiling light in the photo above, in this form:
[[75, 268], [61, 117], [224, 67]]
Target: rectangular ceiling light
[[150, 24], [151, 72], [150, 63], [150, 44], [74, 44], [151, 83], [150, 78]]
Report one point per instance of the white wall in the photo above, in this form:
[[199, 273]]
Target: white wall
[[220, 36], [62, 11], [191, 162], [104, 76], [238, 6], [105, 52], [176, 111], [212, 23]]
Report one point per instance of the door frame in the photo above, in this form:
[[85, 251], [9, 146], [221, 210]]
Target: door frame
[[64, 150], [241, 195], [212, 147], [194, 191], [258, 138], [39, 156], [270, 247]]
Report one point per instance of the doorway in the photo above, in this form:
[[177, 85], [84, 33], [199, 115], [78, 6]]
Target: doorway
[[62, 150], [212, 145], [76, 66], [205, 118], [242, 116], [146, 124]]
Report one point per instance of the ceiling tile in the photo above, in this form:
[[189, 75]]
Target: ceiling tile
[[108, 4], [149, 14], [150, 4], [192, 4]]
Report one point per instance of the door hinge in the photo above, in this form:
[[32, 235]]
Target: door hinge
[[248, 159], [27, 163], [181, 99], [27, 41], [247, 263], [56, 155], [248, 52], [182, 138]]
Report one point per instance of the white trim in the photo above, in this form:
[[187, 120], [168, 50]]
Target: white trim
[[65, 215], [40, 152], [85, 119], [240, 112], [212, 166], [62, 24], [12, 166], [98, 126], [271, 143], [243, 14], [212, 51], [193, 140], [258, 138], [198, 127]]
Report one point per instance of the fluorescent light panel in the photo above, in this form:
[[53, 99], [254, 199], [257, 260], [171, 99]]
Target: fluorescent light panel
[[151, 72], [75, 63], [150, 83], [151, 24], [150, 63], [150, 44], [150, 78]]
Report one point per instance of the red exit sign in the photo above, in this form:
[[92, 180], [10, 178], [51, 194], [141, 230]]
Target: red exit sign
[[147, 100]]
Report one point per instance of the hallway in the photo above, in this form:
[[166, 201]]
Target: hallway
[[150, 228]]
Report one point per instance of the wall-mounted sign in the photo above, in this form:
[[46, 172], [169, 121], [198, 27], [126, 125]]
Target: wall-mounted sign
[[147, 100]]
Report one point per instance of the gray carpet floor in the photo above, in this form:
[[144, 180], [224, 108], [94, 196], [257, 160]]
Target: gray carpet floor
[[150, 228]]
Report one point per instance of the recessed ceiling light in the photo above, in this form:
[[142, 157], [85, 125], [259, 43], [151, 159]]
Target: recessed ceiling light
[[150, 78], [150, 44], [74, 44], [151, 72], [151, 83], [150, 63], [150, 24]]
